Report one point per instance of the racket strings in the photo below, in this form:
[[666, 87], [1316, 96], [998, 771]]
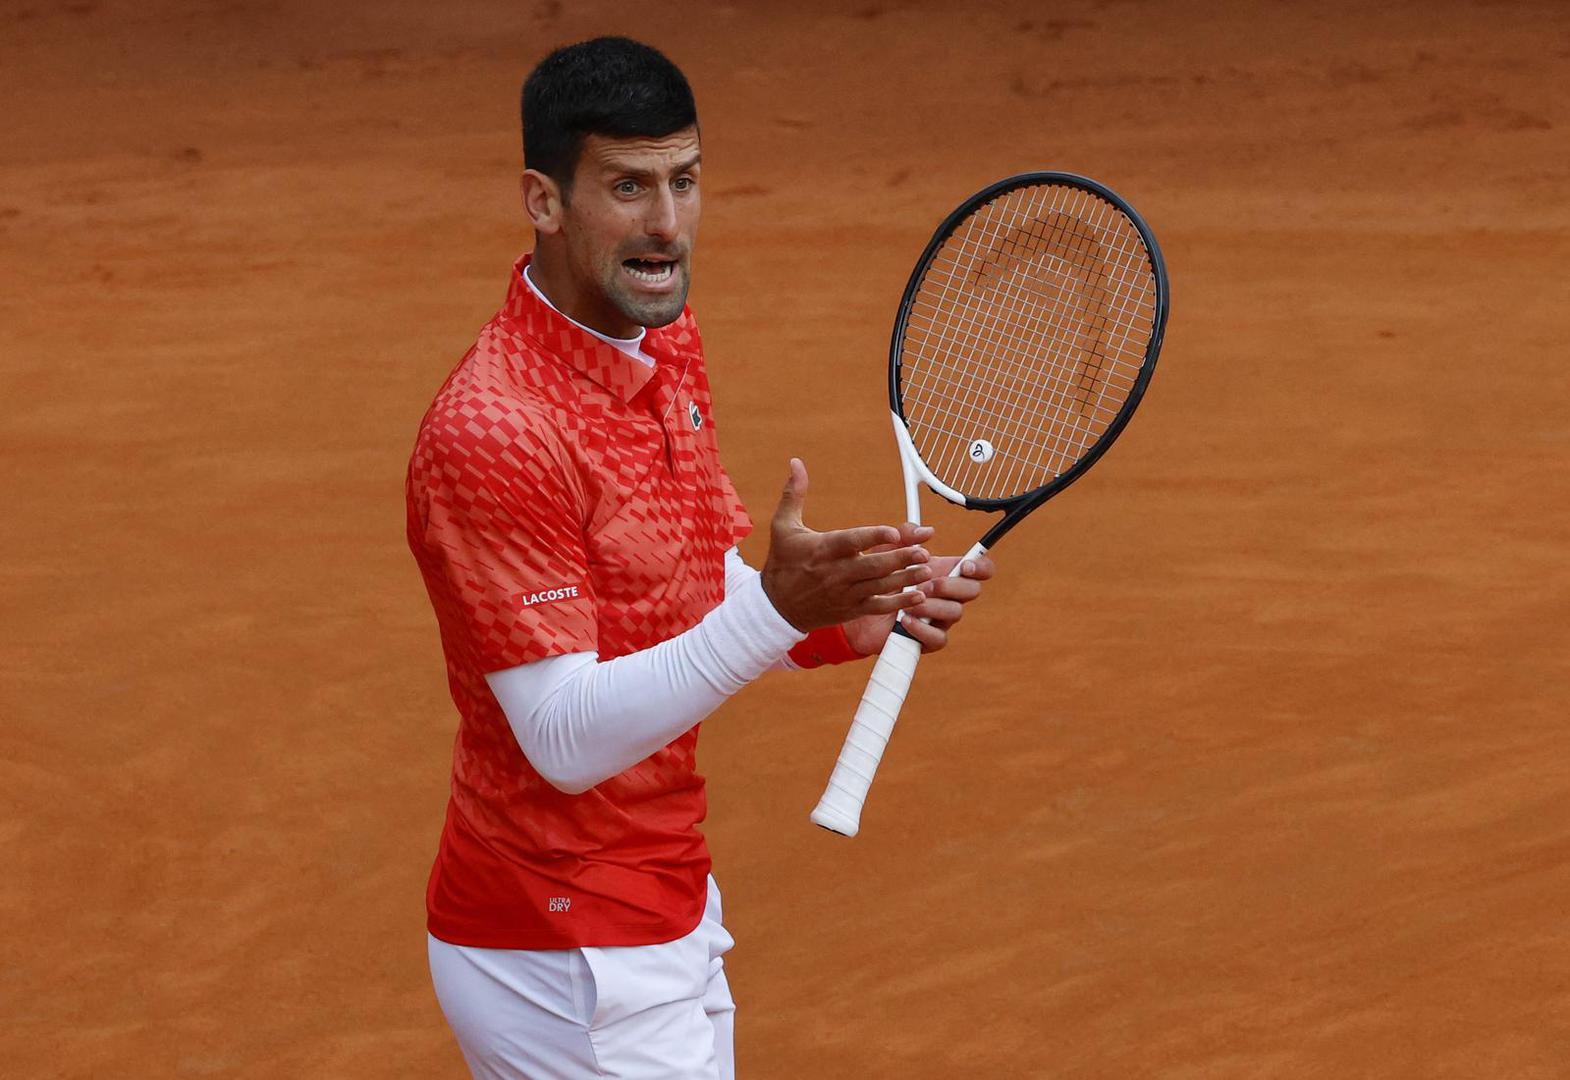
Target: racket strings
[[1019, 288], [1015, 350], [1028, 330], [1011, 401]]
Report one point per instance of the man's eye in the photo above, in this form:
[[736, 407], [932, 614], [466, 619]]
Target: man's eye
[[684, 183], [627, 187]]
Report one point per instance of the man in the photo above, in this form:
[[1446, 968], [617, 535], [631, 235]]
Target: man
[[576, 534]]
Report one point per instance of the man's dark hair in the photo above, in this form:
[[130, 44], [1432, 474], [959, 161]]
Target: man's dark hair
[[609, 86]]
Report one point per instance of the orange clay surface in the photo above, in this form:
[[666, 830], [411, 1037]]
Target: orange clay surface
[[1254, 761]]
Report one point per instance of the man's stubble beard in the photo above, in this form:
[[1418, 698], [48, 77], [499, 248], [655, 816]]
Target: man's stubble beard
[[652, 313]]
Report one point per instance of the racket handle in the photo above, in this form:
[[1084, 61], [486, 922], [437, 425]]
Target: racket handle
[[840, 808]]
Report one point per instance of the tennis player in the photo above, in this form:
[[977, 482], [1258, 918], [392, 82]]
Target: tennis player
[[577, 537]]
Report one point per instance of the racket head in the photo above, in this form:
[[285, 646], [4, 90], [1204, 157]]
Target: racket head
[[1027, 334]]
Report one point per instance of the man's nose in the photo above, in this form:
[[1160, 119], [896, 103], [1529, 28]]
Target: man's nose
[[661, 220]]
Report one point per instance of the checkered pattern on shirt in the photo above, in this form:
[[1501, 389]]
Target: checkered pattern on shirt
[[549, 460]]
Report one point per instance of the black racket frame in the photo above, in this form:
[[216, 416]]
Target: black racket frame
[[1016, 507]]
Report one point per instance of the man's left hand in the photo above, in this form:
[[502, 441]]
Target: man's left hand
[[930, 621]]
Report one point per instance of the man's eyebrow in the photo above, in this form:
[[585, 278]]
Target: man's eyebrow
[[622, 169]]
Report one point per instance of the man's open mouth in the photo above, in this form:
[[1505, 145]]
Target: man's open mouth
[[651, 271]]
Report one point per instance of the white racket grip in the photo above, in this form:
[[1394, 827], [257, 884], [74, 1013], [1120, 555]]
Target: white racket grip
[[840, 808]]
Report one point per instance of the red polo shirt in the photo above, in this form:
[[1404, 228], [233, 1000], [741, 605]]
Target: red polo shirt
[[563, 497]]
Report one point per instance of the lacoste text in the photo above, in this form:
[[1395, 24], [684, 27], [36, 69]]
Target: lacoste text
[[547, 596]]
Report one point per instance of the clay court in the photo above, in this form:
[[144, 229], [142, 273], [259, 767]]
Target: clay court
[[1253, 763]]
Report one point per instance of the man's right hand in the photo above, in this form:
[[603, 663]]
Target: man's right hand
[[817, 579]]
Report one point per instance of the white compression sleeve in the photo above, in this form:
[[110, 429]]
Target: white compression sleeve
[[580, 722], [737, 574]]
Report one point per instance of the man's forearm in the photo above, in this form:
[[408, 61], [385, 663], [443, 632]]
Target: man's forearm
[[580, 721]]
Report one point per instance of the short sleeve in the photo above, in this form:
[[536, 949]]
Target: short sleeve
[[503, 535], [741, 523]]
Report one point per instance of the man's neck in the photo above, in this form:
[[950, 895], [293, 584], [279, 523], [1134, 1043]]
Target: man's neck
[[562, 299], [632, 346]]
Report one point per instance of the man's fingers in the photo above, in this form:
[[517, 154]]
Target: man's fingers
[[885, 603], [931, 638], [943, 612], [844, 543], [880, 564], [794, 497], [910, 535], [953, 588], [981, 568], [889, 583]]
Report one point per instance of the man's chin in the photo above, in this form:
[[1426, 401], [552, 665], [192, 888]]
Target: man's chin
[[653, 313]]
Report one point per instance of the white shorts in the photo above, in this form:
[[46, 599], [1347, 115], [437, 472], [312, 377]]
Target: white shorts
[[639, 1012]]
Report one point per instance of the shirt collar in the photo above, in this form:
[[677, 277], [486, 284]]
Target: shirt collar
[[632, 346], [604, 363]]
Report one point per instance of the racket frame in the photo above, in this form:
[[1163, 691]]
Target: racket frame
[[1015, 507], [839, 810]]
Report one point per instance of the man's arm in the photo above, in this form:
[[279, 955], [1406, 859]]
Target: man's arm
[[825, 645], [580, 721]]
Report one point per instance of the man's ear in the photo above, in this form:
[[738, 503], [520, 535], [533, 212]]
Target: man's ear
[[542, 201]]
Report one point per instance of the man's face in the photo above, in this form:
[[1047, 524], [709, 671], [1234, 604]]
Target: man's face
[[629, 222]]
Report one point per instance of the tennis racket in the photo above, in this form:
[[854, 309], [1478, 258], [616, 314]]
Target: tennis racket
[[1024, 341]]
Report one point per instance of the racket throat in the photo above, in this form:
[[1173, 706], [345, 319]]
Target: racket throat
[[916, 472]]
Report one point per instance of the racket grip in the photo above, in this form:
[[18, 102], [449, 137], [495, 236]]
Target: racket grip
[[840, 808]]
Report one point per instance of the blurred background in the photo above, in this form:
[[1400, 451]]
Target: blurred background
[[1252, 763]]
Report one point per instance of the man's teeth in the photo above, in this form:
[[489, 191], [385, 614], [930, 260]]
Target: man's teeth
[[654, 273]]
